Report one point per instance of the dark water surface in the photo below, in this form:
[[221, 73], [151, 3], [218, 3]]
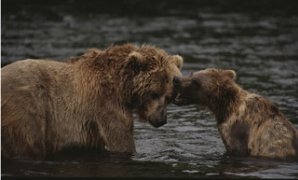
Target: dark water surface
[[258, 39]]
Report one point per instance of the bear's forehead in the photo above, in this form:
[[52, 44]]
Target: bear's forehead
[[162, 79], [159, 77], [209, 72], [152, 51]]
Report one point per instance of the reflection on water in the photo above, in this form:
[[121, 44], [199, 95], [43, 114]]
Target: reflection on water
[[261, 46]]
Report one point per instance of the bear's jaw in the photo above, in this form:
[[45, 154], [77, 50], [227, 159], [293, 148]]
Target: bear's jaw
[[180, 101], [157, 124]]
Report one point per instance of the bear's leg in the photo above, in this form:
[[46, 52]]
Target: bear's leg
[[118, 133], [20, 142], [23, 128], [120, 141], [273, 140]]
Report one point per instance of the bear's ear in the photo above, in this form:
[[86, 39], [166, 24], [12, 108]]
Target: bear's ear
[[177, 60], [230, 73], [136, 61]]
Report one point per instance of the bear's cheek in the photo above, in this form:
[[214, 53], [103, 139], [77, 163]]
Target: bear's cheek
[[146, 109]]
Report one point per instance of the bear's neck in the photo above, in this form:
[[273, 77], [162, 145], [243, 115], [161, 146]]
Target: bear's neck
[[225, 104], [119, 82], [101, 68]]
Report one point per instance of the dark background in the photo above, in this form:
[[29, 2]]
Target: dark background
[[153, 7]]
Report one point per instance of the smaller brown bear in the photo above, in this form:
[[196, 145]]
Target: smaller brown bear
[[248, 123]]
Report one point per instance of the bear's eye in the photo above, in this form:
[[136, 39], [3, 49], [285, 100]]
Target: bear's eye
[[154, 95]]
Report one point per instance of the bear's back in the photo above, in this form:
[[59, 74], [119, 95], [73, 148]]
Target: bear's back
[[271, 133], [30, 72], [29, 67]]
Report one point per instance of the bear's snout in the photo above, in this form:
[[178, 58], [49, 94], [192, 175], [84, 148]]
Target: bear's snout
[[176, 88], [183, 88], [180, 100], [157, 124], [159, 119]]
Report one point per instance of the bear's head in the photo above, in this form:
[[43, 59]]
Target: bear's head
[[152, 86], [211, 87]]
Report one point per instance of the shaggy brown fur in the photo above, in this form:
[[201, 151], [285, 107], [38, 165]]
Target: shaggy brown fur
[[248, 123], [88, 102]]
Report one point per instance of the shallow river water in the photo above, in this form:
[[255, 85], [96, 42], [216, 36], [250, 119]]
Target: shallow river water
[[261, 45]]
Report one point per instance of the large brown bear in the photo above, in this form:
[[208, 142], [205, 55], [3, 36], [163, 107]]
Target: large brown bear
[[248, 123], [48, 106]]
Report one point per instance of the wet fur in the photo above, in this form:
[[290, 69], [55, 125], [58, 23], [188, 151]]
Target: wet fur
[[248, 123], [48, 106]]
